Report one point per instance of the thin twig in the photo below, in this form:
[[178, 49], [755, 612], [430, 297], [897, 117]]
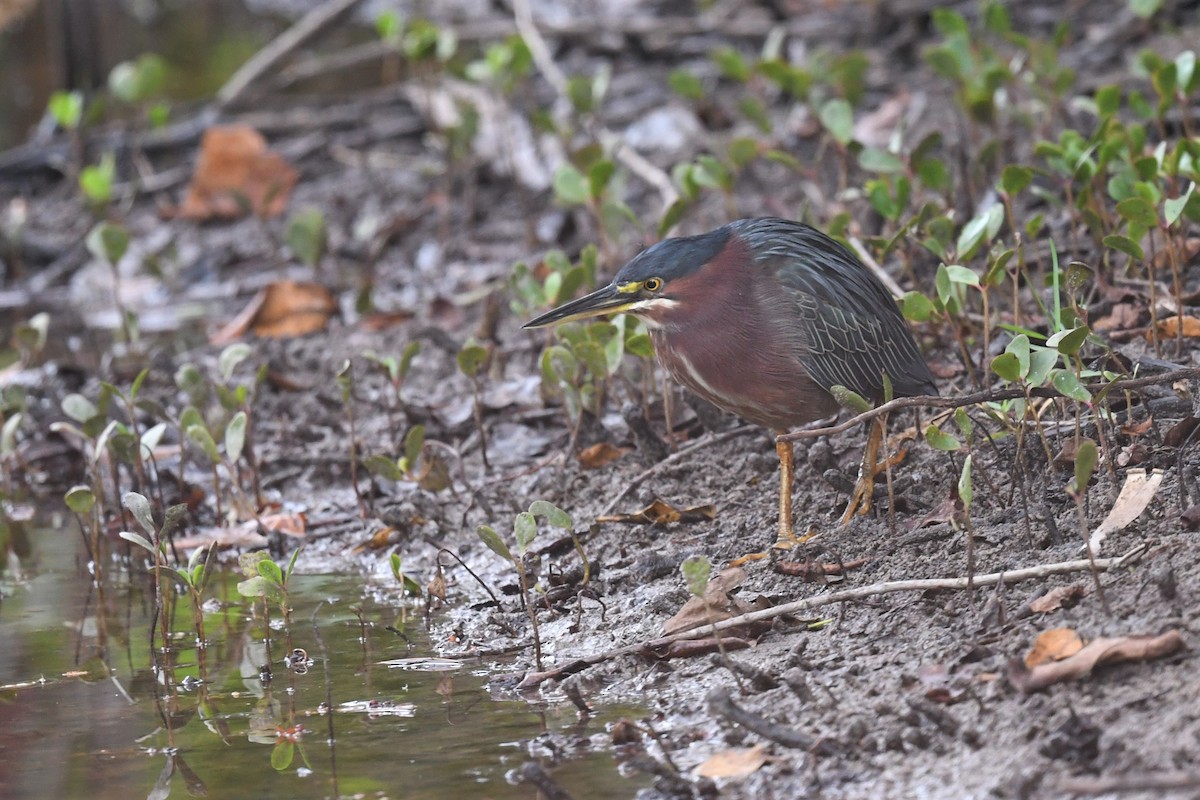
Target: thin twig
[[849, 595], [283, 45], [987, 396]]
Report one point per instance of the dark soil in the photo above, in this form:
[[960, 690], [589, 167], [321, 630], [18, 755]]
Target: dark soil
[[907, 694]]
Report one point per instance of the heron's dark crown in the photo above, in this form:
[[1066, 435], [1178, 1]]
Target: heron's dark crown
[[675, 258]]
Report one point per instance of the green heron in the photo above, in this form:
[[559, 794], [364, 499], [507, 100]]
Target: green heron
[[763, 318]]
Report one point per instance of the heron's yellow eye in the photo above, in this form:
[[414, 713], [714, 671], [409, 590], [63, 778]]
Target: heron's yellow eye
[[652, 284]]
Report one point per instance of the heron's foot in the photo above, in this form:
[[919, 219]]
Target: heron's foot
[[864, 489]]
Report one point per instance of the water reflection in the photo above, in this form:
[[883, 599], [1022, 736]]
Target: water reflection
[[83, 715]]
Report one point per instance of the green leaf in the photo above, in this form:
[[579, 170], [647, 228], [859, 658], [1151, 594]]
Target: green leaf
[[139, 506], [1126, 245], [227, 362], [108, 242], [696, 572], [743, 150], [686, 85], [837, 117], [965, 424], [80, 499], [414, 442], [570, 185], [552, 514], [874, 159], [138, 539], [1014, 179], [471, 358], [1185, 69], [1173, 207], [492, 539], [964, 275], [200, 435], [1041, 361], [1019, 347], [1138, 211], [235, 436], [524, 531], [66, 108], [79, 408], [1145, 8], [96, 181], [981, 228], [849, 399], [150, 440], [1086, 457], [271, 571], [282, 754], [1068, 342], [1007, 366], [383, 466], [599, 174], [732, 64], [1068, 384], [916, 307], [940, 440], [8, 434], [966, 491]]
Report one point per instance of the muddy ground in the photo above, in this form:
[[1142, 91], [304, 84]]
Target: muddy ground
[[907, 694]]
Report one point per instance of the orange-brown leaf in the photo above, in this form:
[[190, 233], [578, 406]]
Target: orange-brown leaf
[[236, 174], [1053, 645], [737, 762], [600, 454]]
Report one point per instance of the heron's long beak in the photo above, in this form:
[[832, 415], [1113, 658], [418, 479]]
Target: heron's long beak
[[607, 300]]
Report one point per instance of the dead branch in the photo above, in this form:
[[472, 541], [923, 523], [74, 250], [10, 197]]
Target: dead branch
[[262, 62], [848, 595], [989, 396]]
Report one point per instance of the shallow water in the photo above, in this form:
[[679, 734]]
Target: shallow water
[[82, 714]]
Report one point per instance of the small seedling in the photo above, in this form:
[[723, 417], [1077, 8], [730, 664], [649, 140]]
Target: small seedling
[[524, 532]]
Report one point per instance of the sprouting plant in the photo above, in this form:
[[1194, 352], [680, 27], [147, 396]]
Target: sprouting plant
[[396, 370], [109, 242], [524, 531], [473, 360], [139, 506], [139, 83]]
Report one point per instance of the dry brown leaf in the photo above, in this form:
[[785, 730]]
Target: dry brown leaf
[[600, 454], [294, 308], [737, 762], [717, 603], [1057, 597], [660, 512], [384, 537], [280, 310], [294, 525], [1099, 651], [1170, 326], [1123, 316], [1053, 645], [235, 174], [1181, 431], [383, 320], [1137, 428], [1136, 493], [243, 535]]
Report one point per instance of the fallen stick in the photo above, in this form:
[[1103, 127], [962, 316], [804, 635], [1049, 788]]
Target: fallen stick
[[888, 587], [987, 396]]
